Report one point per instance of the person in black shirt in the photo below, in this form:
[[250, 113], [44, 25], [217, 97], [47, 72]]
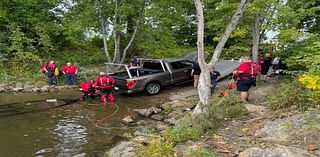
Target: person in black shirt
[[265, 66], [215, 76], [196, 74]]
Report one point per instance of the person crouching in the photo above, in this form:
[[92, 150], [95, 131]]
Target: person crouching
[[105, 84], [87, 89]]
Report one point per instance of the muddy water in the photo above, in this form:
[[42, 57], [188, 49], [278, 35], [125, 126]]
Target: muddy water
[[68, 130]]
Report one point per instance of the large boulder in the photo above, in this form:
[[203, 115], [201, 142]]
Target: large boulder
[[279, 151], [2, 89], [124, 149]]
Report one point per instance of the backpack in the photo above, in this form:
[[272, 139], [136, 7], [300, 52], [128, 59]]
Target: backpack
[[254, 69]]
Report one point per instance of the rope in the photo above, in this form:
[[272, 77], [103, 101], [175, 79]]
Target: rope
[[98, 122]]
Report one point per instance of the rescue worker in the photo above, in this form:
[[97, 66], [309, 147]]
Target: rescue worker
[[52, 72], [135, 62], [265, 66], [105, 84], [70, 73], [87, 89], [245, 78], [195, 72], [215, 76]]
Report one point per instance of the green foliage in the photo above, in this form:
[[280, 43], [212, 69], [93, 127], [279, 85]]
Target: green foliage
[[289, 93], [158, 147], [184, 132]]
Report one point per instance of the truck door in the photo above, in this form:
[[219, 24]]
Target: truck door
[[181, 71]]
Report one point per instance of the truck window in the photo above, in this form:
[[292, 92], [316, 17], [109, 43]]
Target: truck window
[[152, 65], [181, 64]]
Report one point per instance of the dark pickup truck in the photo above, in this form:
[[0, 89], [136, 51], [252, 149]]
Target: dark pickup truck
[[152, 75]]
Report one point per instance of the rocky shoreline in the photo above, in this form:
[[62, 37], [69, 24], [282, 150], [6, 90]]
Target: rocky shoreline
[[29, 88]]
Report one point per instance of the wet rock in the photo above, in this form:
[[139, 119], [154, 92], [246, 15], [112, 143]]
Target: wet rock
[[124, 149], [280, 151], [127, 119], [148, 112], [36, 89], [143, 112], [161, 127], [157, 117], [28, 88], [19, 85], [2, 89], [171, 121], [80, 155], [17, 89], [62, 87], [44, 89], [142, 122]]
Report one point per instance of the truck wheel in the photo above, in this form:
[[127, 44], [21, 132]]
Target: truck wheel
[[153, 88]]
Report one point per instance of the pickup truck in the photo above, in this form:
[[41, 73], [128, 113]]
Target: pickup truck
[[152, 75]]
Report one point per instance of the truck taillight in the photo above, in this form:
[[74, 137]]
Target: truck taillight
[[131, 83]]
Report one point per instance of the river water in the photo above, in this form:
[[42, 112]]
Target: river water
[[68, 130]]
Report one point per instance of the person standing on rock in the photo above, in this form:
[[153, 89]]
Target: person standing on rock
[[245, 78], [51, 69], [215, 76], [70, 73], [195, 72]]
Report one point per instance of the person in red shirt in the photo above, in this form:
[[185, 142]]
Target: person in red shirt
[[70, 72], [50, 69], [245, 79], [105, 84], [87, 89]]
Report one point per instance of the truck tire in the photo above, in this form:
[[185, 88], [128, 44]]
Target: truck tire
[[153, 88]]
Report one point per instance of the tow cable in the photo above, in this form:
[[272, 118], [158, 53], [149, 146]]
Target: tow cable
[[98, 122]]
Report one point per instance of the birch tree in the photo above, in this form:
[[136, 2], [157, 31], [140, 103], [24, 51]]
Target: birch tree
[[204, 81]]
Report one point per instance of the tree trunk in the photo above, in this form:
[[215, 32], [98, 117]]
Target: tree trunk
[[117, 40], [229, 29], [204, 90], [255, 38], [103, 30]]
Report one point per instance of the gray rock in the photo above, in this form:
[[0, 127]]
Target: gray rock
[[62, 87], [2, 89], [44, 89], [147, 112], [27, 89], [155, 110], [124, 149], [142, 122], [127, 119], [36, 89], [3, 85], [280, 151], [19, 85], [157, 117], [171, 121], [53, 89], [292, 129], [28, 86], [17, 89], [80, 155], [161, 127]]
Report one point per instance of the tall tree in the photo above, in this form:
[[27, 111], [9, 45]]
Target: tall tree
[[204, 81]]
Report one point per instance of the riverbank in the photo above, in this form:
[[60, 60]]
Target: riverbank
[[250, 130]]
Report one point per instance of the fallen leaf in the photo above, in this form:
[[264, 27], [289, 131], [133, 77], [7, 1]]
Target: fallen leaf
[[245, 129], [312, 147]]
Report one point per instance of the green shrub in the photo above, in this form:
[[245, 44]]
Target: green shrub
[[158, 147], [288, 93], [184, 132]]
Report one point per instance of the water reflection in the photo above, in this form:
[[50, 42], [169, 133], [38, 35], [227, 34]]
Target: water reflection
[[70, 136]]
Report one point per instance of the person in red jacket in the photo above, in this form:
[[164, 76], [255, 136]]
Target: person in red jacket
[[245, 78], [105, 84], [70, 73], [87, 89], [50, 69]]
